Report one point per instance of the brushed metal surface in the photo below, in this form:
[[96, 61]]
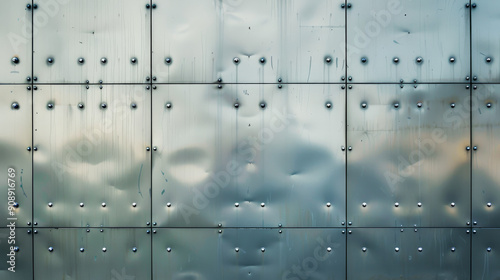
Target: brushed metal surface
[[21, 258], [485, 247]]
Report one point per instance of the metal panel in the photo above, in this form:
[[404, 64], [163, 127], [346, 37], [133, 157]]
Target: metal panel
[[299, 42], [249, 254], [92, 155], [17, 254], [485, 254], [274, 159], [485, 164], [115, 30], [15, 46], [485, 56], [387, 38], [428, 253], [15, 153], [409, 165], [94, 254]]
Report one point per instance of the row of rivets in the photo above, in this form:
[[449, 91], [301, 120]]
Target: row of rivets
[[364, 60], [149, 6], [50, 204], [419, 204], [420, 249], [80, 105], [104, 249], [80, 60]]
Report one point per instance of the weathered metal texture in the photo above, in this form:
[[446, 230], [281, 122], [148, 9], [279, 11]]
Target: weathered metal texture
[[198, 41], [249, 254], [409, 163], [485, 256], [92, 155], [19, 246], [114, 30], [15, 46], [15, 153], [485, 46], [485, 165], [426, 253], [80, 254], [249, 155], [392, 40]]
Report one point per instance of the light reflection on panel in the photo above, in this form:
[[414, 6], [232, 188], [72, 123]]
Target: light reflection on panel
[[485, 56], [485, 254], [17, 254]]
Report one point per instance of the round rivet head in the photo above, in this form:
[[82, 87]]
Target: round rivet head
[[133, 60], [169, 249], [467, 148], [342, 148], [133, 105], [80, 105], [396, 105], [16, 249], [148, 149], [134, 249], [81, 204], [452, 105], [236, 249], [219, 225], [262, 249], [488, 204], [419, 204], [134, 204], [50, 60], [262, 105], [328, 204], [364, 105], [104, 105], [103, 204], [168, 60], [104, 249], [328, 105], [396, 204], [420, 249], [50, 105], [488, 105], [396, 249], [82, 250], [14, 105], [262, 60], [396, 60], [236, 204], [419, 60], [349, 78], [328, 59], [50, 204], [236, 60], [488, 249], [349, 148], [419, 104], [453, 249], [81, 60], [488, 59], [452, 204], [148, 6], [262, 204], [364, 204], [364, 249], [364, 60], [15, 60], [104, 60], [168, 105], [220, 230], [29, 149], [51, 249], [236, 105], [452, 59], [474, 148], [169, 204], [329, 249]]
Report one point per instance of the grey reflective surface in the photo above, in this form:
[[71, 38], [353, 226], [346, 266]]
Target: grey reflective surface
[[22, 255], [294, 37], [249, 254], [15, 139], [106, 255], [117, 30], [485, 166], [428, 253], [92, 155], [249, 165], [435, 31], [403, 155], [485, 254]]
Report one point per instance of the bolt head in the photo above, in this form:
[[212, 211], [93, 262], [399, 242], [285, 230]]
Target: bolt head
[[329, 249], [104, 249], [133, 105], [488, 105], [453, 249], [262, 105], [419, 204], [169, 204], [236, 249], [50, 105], [16, 249], [396, 105], [236, 105], [80, 105], [81, 60], [419, 104], [396, 204], [452, 105], [452, 204], [488, 249]]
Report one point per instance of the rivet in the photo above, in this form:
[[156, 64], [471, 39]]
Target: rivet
[[467, 78], [236, 249], [364, 105], [80, 105], [452, 59], [474, 148], [396, 105], [474, 231], [475, 222], [452, 204], [342, 223], [50, 204], [488, 249], [364, 60], [154, 231], [488, 59], [468, 223], [134, 249], [133, 105], [51, 249], [35, 231], [35, 148], [81, 204], [280, 80], [396, 60], [453, 249], [15, 60], [169, 249], [280, 225], [329, 249], [280, 86], [148, 231], [169, 204], [236, 105], [35, 223], [363, 249], [50, 60], [328, 204], [396, 204], [467, 148], [328, 59], [364, 204], [402, 230], [134, 204], [262, 204], [28, 88], [103, 204], [419, 204], [488, 105], [420, 249], [81, 60], [148, 6], [50, 105], [343, 232], [104, 249], [474, 78], [82, 250], [154, 6], [133, 60], [28, 79], [220, 230], [350, 232], [349, 223], [396, 249], [342, 87], [342, 78], [488, 204], [100, 87], [474, 87], [263, 249], [16, 249], [104, 105], [148, 149], [219, 225], [350, 78], [342, 148], [467, 5], [349, 148], [349, 5], [154, 78], [236, 204], [100, 81], [262, 105], [168, 105], [28, 6], [35, 78], [415, 230], [168, 60], [88, 230], [15, 105], [87, 87], [419, 59], [155, 148], [236, 60], [262, 60], [328, 105], [219, 86], [104, 60], [342, 5], [148, 78], [419, 104], [29, 149], [350, 86], [452, 105]]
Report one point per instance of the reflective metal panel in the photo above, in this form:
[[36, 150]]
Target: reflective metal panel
[[93, 160], [428, 253], [16, 254], [486, 152], [409, 164], [249, 155], [92, 254], [15, 154], [15, 46], [256, 41], [249, 254], [392, 40], [485, 56], [485, 254], [94, 40]]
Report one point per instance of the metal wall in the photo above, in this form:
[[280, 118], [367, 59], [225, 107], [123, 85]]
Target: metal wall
[[233, 139]]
